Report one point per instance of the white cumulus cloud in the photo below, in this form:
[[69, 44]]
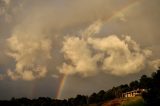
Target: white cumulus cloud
[[155, 64], [87, 55], [30, 52], [77, 51], [122, 56]]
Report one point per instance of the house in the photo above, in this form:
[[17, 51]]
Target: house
[[133, 93]]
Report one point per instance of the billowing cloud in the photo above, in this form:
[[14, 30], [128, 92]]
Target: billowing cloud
[[82, 61], [55, 76], [30, 52], [122, 56], [87, 55], [79, 55], [155, 64]]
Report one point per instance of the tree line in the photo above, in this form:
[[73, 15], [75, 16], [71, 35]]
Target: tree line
[[151, 97]]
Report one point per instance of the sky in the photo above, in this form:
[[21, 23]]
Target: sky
[[61, 48]]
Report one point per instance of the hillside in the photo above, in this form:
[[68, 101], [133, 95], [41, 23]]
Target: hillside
[[134, 101]]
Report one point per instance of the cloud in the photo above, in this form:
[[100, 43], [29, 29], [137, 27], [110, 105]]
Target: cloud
[[1, 76], [30, 52], [30, 44], [122, 56], [3, 7], [155, 64], [92, 29], [4, 10], [77, 51], [121, 16], [86, 55], [55, 76], [7, 1], [8, 10]]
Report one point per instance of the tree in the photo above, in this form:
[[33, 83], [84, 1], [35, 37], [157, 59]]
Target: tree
[[145, 82], [93, 98], [110, 94], [100, 95], [152, 97], [124, 88], [80, 100], [134, 85]]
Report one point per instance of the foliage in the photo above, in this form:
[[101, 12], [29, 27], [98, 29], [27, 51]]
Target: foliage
[[152, 97]]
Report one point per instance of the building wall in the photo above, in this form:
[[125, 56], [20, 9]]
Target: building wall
[[133, 93]]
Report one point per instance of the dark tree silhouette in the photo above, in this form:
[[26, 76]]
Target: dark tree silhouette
[[134, 85], [93, 98], [152, 97], [145, 82]]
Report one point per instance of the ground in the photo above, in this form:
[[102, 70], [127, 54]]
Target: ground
[[133, 101]]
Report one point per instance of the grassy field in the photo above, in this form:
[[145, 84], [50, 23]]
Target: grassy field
[[134, 101]]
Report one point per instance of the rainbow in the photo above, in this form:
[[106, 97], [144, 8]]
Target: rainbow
[[63, 78], [129, 5], [124, 8]]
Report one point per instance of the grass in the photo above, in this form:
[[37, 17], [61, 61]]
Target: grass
[[136, 101]]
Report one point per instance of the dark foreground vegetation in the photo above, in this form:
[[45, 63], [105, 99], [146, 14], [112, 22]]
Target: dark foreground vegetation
[[151, 97]]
